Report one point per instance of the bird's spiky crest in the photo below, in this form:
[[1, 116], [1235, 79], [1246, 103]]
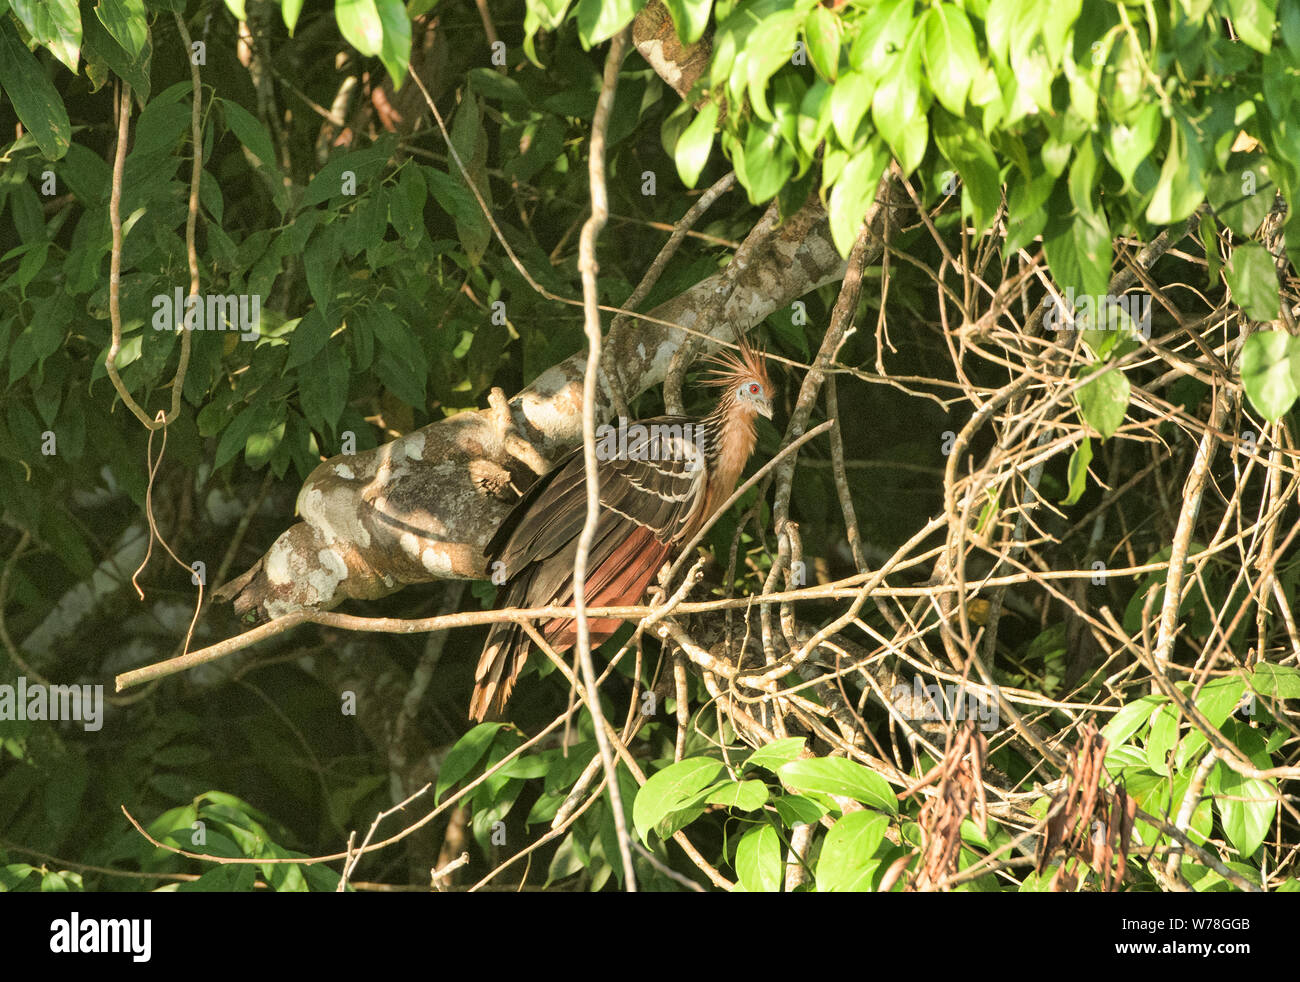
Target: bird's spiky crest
[[727, 367]]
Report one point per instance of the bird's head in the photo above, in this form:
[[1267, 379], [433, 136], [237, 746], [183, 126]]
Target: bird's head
[[742, 377]]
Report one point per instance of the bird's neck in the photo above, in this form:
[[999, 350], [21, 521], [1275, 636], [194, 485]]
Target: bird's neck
[[734, 442]]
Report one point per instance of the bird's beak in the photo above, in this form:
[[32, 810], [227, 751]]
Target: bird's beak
[[765, 408]]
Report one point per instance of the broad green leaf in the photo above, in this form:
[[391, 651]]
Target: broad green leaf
[[600, 20], [1180, 188], [671, 789], [1243, 193], [1253, 21], [253, 135], [758, 860], [1130, 718], [776, 753], [323, 388], [822, 33], [695, 143], [690, 17], [897, 108], [54, 23], [743, 796], [289, 10], [1219, 697], [853, 194], [1131, 142], [840, 776], [1270, 371], [769, 160], [970, 153], [1079, 253], [1162, 738], [361, 25], [796, 809], [846, 858], [850, 99], [1246, 807], [881, 38], [1077, 472], [395, 51], [951, 57], [35, 100], [1251, 275], [1278, 681], [467, 752], [125, 20], [102, 53], [1103, 400]]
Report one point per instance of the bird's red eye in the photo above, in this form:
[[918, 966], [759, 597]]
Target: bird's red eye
[[753, 388]]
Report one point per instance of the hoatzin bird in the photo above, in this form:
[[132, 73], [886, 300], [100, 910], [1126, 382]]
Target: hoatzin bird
[[660, 480]]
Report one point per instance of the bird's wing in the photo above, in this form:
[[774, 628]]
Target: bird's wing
[[655, 478]]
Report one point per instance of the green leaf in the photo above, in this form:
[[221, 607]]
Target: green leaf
[[125, 20], [34, 98], [1270, 371], [1180, 188], [1130, 142], [758, 860], [1251, 275], [323, 388], [743, 796], [671, 789], [361, 25], [773, 755], [102, 53], [1278, 681], [402, 365], [253, 135], [56, 24], [846, 858], [1130, 719], [970, 153], [850, 100], [600, 20], [1079, 252], [897, 109], [951, 57], [289, 10], [822, 33], [853, 194], [1077, 471], [1219, 697], [796, 809], [769, 160], [467, 752], [837, 775], [1243, 193], [253, 419], [1253, 21], [1246, 807], [395, 51], [693, 146], [690, 17], [1103, 400]]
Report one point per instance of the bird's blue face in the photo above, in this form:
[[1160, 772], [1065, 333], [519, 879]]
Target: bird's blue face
[[753, 395]]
